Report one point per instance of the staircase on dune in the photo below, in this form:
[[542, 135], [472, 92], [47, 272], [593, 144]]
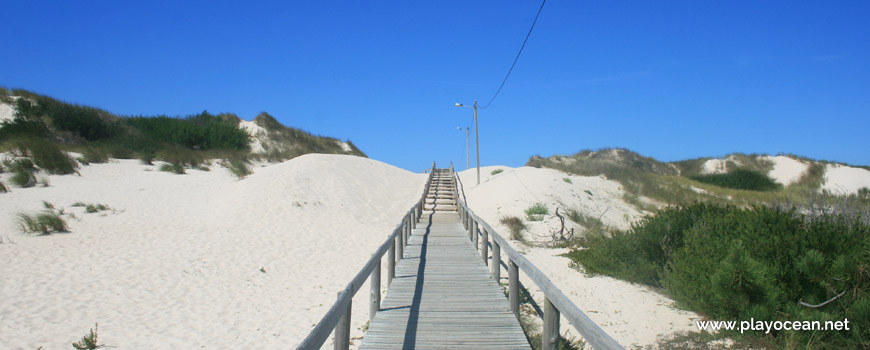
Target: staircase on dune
[[442, 193]]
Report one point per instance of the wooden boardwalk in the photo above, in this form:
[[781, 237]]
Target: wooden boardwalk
[[443, 296]]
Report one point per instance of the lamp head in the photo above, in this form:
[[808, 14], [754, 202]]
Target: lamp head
[[458, 104]]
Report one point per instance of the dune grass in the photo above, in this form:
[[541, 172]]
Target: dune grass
[[94, 155], [23, 178], [44, 153], [96, 208], [496, 171], [42, 223], [172, 168], [239, 168], [515, 226], [592, 224]]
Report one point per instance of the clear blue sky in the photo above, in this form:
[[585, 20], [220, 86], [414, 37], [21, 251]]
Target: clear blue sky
[[668, 79]]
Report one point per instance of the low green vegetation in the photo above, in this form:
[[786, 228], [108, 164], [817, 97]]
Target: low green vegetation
[[496, 171], [44, 127], [89, 341], [42, 223], [3, 188], [515, 226], [740, 179], [568, 180], [536, 212], [733, 263]]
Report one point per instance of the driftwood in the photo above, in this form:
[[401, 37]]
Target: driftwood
[[561, 234]]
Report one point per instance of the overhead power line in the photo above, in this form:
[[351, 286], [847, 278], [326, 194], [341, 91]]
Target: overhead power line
[[516, 58]]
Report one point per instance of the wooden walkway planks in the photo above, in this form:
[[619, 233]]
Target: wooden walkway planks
[[443, 296]]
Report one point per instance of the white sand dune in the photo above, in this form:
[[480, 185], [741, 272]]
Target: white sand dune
[[715, 166], [178, 263], [841, 179], [7, 112], [257, 133], [786, 170], [631, 314]]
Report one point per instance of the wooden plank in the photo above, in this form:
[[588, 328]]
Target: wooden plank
[[443, 297]]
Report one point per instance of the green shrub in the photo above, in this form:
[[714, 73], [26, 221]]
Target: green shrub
[[202, 131], [731, 263], [3, 188], [568, 180], [42, 223], [536, 212], [239, 169], [172, 168], [496, 171], [741, 179], [515, 226]]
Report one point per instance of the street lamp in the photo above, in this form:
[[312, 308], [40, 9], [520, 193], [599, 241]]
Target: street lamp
[[476, 137], [467, 147]]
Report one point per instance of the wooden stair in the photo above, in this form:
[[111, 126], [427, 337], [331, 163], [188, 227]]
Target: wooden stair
[[442, 193]]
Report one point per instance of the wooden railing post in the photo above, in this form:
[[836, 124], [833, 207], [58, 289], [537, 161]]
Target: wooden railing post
[[468, 220], [342, 329], [474, 234], [514, 287], [496, 261], [399, 248], [375, 296], [484, 249], [550, 335], [407, 229], [391, 263]]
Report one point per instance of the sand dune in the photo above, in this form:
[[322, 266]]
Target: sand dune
[[178, 263]]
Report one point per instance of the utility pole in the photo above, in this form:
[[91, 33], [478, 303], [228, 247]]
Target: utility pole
[[476, 137], [476, 142], [467, 150]]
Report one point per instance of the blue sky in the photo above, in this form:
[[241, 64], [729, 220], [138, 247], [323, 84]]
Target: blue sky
[[672, 80]]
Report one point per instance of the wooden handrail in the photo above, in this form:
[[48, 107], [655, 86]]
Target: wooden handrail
[[337, 318], [555, 302]]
